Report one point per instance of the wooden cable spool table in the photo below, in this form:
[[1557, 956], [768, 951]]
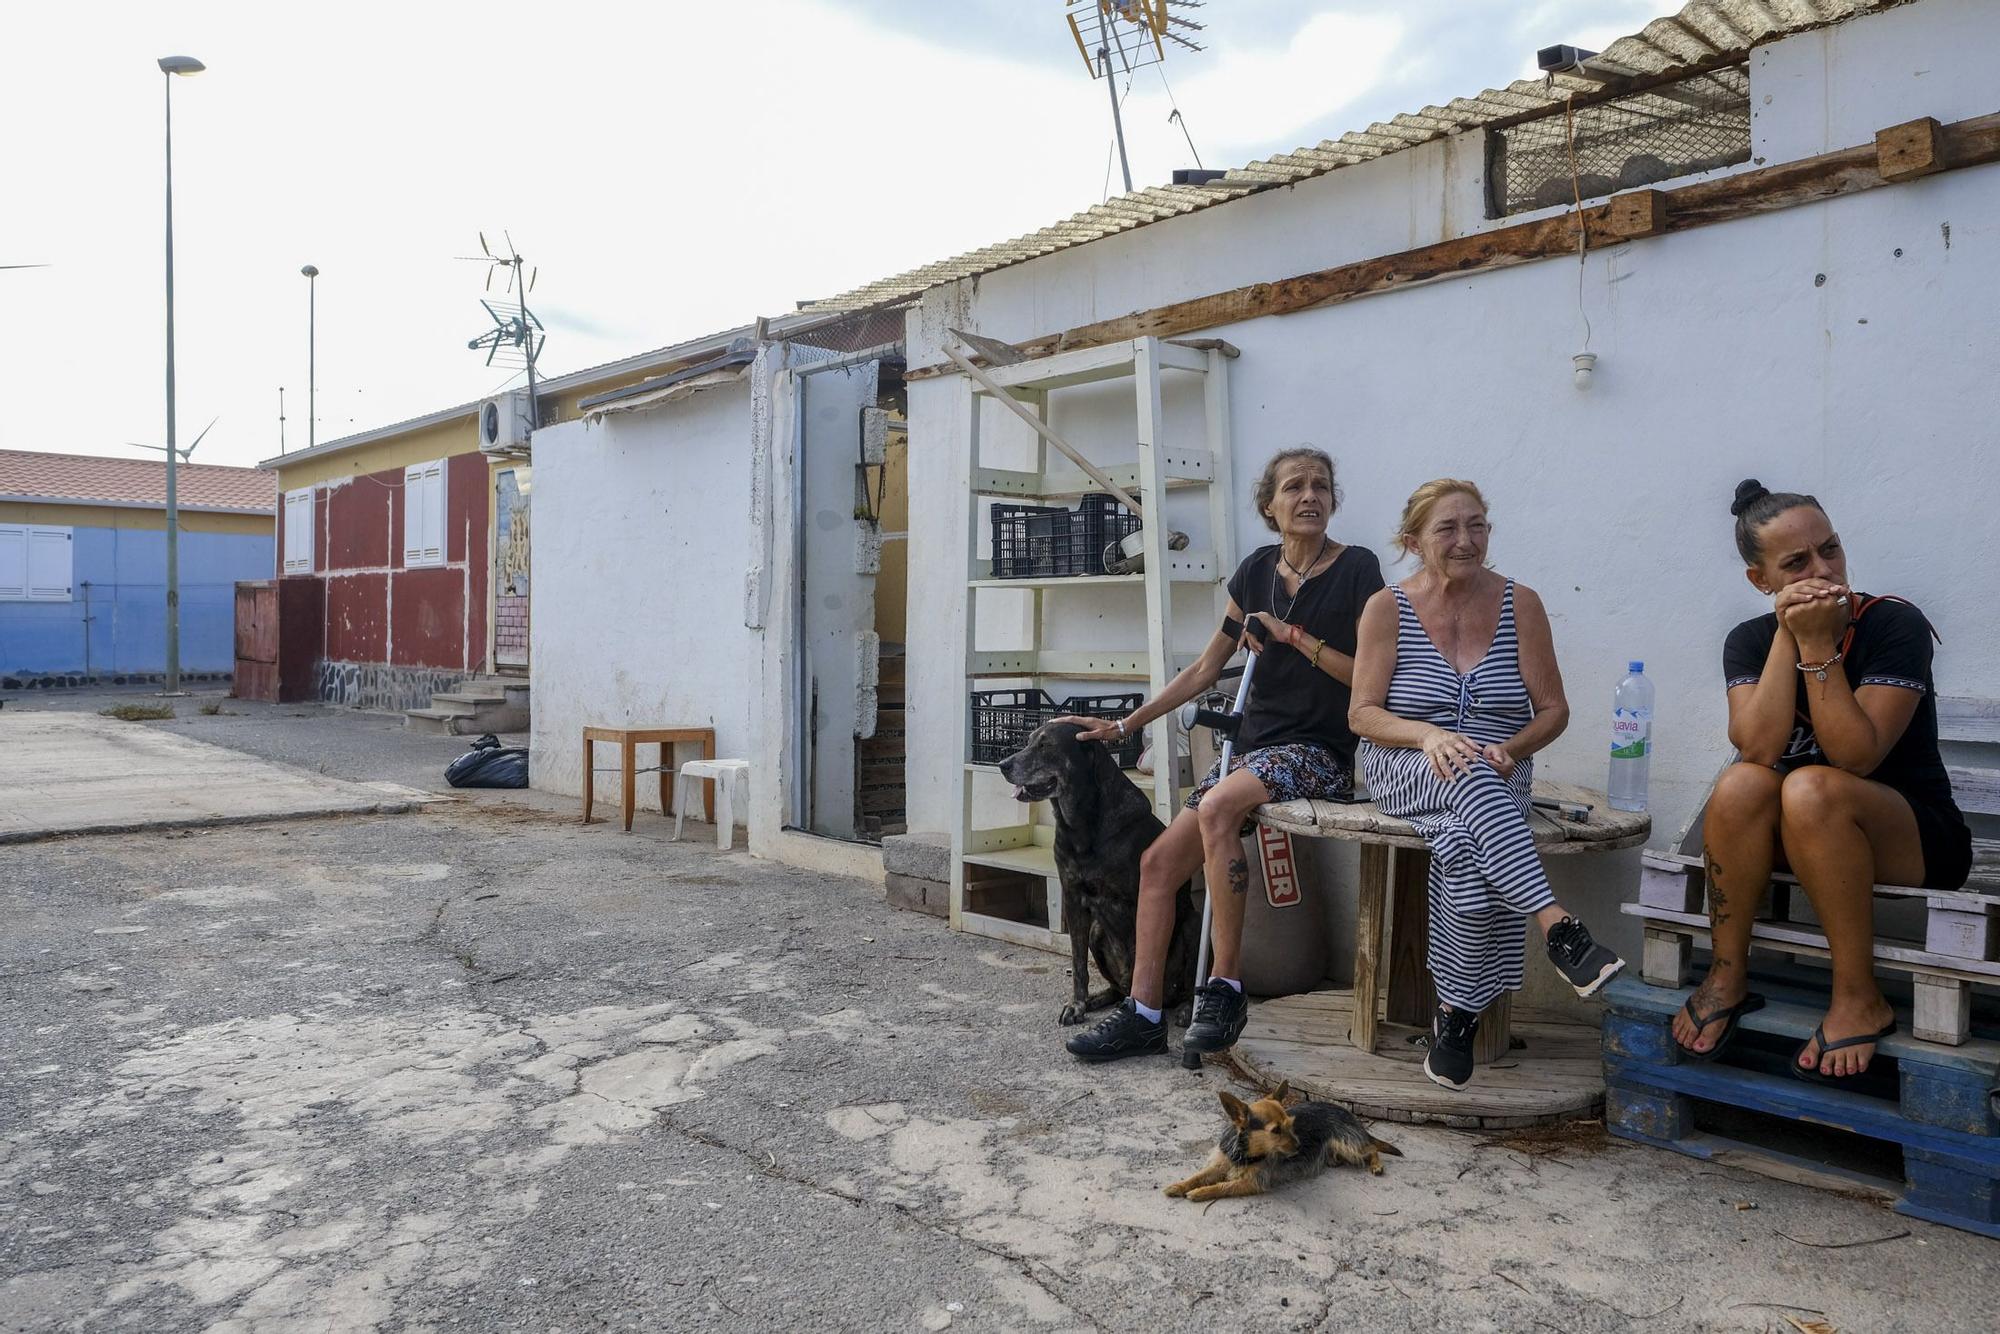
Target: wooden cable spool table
[[1392, 852]]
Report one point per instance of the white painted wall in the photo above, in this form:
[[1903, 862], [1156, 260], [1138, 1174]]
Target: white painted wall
[[641, 537], [1722, 356]]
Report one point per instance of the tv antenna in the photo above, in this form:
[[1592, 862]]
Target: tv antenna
[[1116, 36], [516, 336]]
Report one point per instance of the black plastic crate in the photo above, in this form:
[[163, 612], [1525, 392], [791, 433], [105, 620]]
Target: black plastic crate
[[1126, 752], [1072, 542], [1050, 542], [1016, 553], [1003, 720], [1103, 520]]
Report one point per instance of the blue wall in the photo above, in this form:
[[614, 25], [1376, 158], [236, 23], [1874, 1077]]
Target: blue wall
[[127, 573]]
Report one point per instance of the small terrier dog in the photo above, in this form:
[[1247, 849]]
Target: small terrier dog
[[1267, 1146]]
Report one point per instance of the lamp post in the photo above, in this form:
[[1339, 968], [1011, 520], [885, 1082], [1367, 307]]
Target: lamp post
[[311, 271], [171, 66]]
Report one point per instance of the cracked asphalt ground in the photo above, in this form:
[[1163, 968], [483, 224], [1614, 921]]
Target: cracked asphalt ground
[[482, 1068]]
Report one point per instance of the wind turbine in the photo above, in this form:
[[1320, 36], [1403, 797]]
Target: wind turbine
[[182, 454]]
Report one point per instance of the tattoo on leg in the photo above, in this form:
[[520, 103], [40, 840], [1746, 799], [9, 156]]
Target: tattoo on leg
[[1239, 876], [1718, 902]]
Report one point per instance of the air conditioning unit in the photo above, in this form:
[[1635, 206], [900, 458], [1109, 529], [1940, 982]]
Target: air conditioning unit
[[505, 422]]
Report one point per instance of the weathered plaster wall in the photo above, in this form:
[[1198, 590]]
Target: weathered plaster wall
[[1839, 348], [640, 541]]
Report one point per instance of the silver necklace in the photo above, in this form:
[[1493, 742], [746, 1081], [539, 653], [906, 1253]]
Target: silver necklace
[[1324, 543]]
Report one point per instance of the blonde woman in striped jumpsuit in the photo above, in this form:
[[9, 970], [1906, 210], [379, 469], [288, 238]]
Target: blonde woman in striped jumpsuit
[[1455, 687]]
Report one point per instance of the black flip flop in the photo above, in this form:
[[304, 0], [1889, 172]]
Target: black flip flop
[[1819, 1036], [1750, 1004]]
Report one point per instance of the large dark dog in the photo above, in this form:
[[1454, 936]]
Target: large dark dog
[[1104, 823]]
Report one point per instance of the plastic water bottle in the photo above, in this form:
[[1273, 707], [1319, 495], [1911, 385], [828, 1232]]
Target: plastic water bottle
[[1631, 739]]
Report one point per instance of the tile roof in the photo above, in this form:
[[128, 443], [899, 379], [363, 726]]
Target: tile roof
[[1703, 31], [92, 479]]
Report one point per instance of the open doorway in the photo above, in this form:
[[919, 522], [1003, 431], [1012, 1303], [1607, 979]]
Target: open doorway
[[850, 523]]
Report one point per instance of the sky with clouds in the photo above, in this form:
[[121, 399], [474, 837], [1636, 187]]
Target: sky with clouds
[[672, 168]]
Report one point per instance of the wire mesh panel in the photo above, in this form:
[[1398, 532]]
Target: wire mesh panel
[[1677, 129]]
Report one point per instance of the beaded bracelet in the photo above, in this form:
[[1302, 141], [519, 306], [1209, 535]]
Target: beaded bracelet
[[1818, 669]]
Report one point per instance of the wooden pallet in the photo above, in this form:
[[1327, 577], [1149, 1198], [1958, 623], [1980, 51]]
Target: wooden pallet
[[1955, 947], [1938, 1107], [1955, 950]]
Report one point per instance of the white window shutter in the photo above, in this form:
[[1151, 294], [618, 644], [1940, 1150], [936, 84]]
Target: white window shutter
[[13, 562], [413, 515], [49, 564], [299, 531], [434, 552], [423, 514]]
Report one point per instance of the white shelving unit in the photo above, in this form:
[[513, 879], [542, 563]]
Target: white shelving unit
[[1026, 849]]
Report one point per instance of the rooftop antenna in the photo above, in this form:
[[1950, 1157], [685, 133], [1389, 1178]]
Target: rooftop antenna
[[1116, 36], [281, 419], [516, 336]]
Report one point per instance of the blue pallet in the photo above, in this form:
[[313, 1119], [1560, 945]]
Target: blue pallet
[[1940, 1109]]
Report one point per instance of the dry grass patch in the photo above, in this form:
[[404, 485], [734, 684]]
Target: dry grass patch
[[139, 713]]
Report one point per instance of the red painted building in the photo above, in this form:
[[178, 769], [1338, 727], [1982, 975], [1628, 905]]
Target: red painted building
[[399, 561]]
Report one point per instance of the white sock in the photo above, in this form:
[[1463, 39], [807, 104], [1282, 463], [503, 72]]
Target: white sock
[[1146, 1012], [1231, 981]]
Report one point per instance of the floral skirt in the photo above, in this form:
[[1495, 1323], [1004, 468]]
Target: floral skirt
[[1291, 772]]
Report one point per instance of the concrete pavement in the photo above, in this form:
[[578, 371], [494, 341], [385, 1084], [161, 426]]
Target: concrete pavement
[[78, 773], [478, 1067]]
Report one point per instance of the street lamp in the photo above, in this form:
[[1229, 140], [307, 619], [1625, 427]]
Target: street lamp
[[311, 271], [170, 66]]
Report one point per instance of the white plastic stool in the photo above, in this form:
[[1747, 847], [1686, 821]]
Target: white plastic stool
[[732, 777]]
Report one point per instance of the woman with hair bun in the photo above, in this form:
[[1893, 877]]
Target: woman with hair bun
[[1455, 687], [1834, 718]]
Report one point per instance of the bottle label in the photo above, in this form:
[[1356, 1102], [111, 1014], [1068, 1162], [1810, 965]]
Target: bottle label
[[1631, 733]]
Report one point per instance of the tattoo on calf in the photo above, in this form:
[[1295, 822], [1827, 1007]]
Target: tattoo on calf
[[1239, 876], [1718, 902]]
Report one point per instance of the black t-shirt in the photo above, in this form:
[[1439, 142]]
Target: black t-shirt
[[1891, 647], [1290, 699]]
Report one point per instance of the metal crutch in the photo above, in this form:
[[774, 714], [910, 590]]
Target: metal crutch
[[1226, 724]]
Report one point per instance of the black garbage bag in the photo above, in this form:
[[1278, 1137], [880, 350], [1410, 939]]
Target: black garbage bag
[[489, 764]]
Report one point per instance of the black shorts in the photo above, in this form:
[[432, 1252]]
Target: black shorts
[[1947, 845]]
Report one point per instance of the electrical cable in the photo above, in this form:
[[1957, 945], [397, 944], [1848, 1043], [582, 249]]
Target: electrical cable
[[1576, 193], [1176, 116]]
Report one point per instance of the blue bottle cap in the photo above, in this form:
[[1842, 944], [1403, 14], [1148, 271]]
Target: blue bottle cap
[[1635, 667]]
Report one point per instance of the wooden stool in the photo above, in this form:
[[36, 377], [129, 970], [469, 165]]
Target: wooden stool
[[628, 739]]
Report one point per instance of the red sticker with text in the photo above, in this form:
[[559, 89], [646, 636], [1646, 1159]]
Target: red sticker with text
[[1281, 873]]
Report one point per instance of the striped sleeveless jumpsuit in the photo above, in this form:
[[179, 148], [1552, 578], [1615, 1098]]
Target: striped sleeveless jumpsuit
[[1485, 874]]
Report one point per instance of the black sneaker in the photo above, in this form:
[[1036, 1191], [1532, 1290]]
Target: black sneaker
[[1450, 1060], [1220, 1011], [1587, 964], [1124, 1032]]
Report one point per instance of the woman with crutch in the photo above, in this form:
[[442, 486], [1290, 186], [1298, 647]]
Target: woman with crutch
[[1301, 597]]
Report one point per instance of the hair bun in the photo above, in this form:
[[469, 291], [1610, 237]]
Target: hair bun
[[1748, 492]]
